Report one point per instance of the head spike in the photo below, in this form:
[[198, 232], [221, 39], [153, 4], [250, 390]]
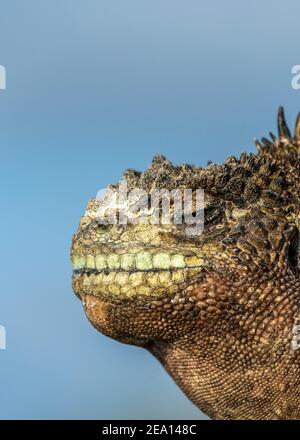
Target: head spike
[[266, 142], [258, 145], [297, 126], [283, 129], [273, 137]]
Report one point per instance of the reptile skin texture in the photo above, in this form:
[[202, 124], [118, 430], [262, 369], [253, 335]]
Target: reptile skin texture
[[218, 309]]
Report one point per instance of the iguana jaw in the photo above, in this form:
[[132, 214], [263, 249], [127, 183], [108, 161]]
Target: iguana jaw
[[137, 293]]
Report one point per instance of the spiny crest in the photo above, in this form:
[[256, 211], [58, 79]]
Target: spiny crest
[[286, 145], [267, 178]]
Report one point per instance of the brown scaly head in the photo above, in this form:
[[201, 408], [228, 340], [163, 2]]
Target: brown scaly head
[[219, 309]]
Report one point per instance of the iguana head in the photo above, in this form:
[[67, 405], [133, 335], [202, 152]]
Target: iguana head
[[226, 296]]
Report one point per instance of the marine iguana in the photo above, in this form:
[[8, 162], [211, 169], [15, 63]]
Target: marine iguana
[[219, 310]]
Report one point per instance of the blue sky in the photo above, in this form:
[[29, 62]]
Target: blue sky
[[94, 87]]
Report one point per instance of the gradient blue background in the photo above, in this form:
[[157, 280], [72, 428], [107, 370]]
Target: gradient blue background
[[94, 87]]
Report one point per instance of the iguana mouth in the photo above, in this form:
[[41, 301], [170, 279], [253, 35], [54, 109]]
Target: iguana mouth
[[108, 271], [129, 274]]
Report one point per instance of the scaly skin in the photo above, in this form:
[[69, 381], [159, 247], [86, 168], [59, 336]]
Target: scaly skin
[[217, 309]]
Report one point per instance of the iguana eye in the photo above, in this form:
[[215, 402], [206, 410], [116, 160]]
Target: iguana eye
[[212, 215]]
